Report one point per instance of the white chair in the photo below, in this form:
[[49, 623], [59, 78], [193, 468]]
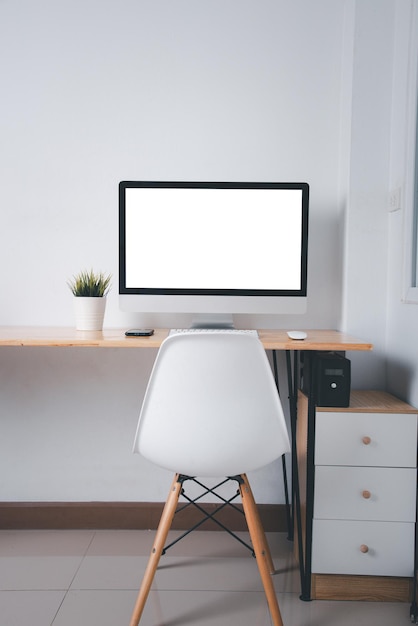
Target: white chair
[[212, 409]]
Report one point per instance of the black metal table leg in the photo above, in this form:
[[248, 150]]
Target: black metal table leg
[[289, 508], [304, 541], [293, 379]]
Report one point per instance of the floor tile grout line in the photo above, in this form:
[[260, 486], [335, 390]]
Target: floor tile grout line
[[73, 577]]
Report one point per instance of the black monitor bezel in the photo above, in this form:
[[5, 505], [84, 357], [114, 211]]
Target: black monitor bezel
[[301, 292]]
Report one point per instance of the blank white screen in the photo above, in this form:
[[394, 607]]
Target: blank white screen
[[213, 238]]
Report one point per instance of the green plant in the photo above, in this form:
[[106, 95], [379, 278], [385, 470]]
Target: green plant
[[90, 284]]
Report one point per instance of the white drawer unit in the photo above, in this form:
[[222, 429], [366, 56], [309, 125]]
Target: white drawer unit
[[365, 439], [363, 548], [365, 493], [364, 496]]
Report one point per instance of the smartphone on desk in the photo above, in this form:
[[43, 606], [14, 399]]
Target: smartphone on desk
[[139, 332]]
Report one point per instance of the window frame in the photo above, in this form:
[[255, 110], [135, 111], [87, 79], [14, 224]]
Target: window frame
[[410, 288]]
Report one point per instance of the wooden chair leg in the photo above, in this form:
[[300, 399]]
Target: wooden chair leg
[[259, 529], [157, 549], [261, 549]]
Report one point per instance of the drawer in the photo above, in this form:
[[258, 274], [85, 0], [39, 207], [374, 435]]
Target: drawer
[[388, 548], [365, 493], [366, 439]]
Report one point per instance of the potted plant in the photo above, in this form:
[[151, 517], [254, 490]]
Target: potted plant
[[90, 289]]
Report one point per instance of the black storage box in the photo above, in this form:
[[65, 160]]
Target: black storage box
[[331, 378]]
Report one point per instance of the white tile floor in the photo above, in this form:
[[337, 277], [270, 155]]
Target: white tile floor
[[80, 578]]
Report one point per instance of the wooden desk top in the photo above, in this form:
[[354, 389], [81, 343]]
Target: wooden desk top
[[48, 336], [362, 401]]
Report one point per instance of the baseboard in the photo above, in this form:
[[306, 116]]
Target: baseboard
[[126, 515]]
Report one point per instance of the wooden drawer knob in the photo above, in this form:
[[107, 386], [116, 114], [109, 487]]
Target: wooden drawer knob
[[366, 494], [364, 548], [366, 441]]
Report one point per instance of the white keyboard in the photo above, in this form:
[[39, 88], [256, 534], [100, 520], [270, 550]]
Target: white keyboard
[[208, 331]]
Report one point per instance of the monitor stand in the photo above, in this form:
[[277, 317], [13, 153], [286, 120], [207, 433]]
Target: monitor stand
[[212, 320]]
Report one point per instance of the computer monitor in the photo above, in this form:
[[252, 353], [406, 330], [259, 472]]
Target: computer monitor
[[212, 250]]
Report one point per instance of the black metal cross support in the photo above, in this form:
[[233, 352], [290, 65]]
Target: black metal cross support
[[205, 514]]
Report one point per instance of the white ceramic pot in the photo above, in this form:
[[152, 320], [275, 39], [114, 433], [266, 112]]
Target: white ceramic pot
[[89, 312]]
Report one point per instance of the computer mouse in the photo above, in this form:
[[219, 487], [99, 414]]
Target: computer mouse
[[296, 334]]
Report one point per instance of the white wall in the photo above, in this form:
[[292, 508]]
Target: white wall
[[100, 91], [366, 227], [381, 159], [402, 331]]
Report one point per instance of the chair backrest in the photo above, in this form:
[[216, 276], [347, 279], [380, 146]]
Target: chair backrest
[[211, 407]]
